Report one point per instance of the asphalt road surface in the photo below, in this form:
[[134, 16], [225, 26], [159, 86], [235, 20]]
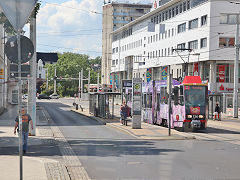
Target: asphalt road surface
[[108, 153]]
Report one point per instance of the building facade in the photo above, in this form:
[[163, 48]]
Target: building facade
[[176, 33], [116, 15]]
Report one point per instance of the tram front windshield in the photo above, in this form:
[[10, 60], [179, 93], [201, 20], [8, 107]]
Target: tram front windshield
[[195, 96]]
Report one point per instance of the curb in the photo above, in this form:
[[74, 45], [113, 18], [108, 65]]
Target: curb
[[152, 138], [180, 137], [91, 117]]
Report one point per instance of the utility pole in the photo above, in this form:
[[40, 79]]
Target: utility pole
[[236, 64], [55, 80], [79, 85], [89, 74], [169, 100], [47, 79], [82, 84], [98, 82]]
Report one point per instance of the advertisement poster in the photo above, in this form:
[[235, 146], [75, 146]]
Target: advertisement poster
[[149, 74], [195, 69], [164, 72], [221, 73]]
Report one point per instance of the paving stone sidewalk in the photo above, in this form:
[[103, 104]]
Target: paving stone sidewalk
[[49, 157]]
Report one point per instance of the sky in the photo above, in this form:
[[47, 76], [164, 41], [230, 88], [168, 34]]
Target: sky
[[70, 26]]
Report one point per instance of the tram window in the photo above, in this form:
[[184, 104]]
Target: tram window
[[158, 101], [181, 90], [149, 101], [162, 95], [176, 96]]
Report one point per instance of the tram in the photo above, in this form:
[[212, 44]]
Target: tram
[[189, 103]]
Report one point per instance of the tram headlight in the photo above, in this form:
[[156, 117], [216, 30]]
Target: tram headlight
[[201, 116], [189, 116]]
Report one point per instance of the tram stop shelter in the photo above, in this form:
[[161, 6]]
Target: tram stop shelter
[[99, 104]]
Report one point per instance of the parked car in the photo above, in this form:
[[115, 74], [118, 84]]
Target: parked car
[[25, 96], [54, 96], [43, 96]]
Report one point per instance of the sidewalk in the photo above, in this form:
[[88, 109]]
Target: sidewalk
[[147, 131], [227, 122], [9, 157]]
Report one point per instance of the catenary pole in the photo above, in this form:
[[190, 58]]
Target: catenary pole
[[236, 66], [55, 80], [79, 85]]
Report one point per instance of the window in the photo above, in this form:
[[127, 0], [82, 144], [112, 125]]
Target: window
[[173, 12], [226, 42], [159, 53], [181, 46], [169, 33], [181, 28], [172, 32], [193, 44], [170, 13], [184, 6], [188, 4], [156, 37], [40, 76], [223, 72], [160, 18], [163, 17], [166, 15], [193, 24], [204, 20], [203, 43], [157, 19], [153, 38], [176, 10], [180, 8]]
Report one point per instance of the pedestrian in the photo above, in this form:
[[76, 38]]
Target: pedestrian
[[217, 112], [26, 119], [124, 112]]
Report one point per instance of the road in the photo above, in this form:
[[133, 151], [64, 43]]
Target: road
[[107, 153]]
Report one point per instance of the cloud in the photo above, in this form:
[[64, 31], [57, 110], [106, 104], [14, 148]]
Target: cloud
[[61, 24]]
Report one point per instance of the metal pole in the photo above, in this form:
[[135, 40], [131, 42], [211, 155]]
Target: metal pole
[[82, 84], [236, 66], [19, 104], [169, 102], [98, 82], [113, 90], [79, 85], [4, 70], [55, 80], [33, 83], [89, 74], [47, 79]]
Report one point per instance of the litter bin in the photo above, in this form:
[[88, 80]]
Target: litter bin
[[76, 106]]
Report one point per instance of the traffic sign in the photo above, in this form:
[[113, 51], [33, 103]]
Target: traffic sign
[[18, 11], [11, 49]]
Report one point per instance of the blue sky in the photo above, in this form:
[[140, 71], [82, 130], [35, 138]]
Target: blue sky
[[68, 26]]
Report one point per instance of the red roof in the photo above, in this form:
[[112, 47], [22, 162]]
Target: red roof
[[192, 80]]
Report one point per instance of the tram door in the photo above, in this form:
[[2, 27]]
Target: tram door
[[212, 100]]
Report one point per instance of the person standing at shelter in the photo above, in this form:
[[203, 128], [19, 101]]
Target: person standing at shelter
[[217, 112], [124, 111], [26, 119]]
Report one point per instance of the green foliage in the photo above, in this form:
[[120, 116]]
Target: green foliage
[[68, 66]]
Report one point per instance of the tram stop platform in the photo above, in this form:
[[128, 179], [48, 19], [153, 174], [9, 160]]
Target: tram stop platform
[[155, 132], [148, 131]]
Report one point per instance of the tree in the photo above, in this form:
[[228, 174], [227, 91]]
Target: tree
[[68, 66]]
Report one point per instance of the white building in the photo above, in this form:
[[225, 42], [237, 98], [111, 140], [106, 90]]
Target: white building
[[41, 71], [189, 24]]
